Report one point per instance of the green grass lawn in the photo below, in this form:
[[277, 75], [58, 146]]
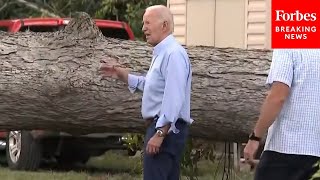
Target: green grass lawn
[[112, 166]]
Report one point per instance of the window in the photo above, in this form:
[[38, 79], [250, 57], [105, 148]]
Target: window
[[40, 28], [4, 28], [114, 33]]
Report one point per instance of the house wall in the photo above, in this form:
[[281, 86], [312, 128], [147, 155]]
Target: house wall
[[179, 11], [222, 23], [200, 26], [257, 22], [229, 23]]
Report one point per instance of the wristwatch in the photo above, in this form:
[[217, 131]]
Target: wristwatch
[[160, 132], [254, 137]]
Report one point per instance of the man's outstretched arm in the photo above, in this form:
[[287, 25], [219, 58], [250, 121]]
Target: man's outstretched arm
[[134, 82]]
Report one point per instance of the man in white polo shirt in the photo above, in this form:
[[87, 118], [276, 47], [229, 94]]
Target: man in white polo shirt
[[291, 115]]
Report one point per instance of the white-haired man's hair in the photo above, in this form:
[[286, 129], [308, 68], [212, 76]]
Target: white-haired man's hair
[[165, 15]]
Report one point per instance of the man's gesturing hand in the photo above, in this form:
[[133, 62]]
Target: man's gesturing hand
[[114, 71], [107, 70]]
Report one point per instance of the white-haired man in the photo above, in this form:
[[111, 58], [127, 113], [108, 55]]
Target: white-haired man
[[166, 96]]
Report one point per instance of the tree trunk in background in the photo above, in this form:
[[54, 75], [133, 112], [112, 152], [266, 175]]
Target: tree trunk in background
[[50, 81]]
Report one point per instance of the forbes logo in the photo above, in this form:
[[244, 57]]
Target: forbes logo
[[296, 16]]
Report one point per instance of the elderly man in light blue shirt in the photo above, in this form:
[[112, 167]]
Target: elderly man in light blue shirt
[[166, 96], [166, 87]]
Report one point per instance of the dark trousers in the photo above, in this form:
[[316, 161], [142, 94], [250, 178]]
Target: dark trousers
[[279, 166], [166, 164]]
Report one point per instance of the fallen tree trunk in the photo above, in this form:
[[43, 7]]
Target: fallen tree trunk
[[50, 81]]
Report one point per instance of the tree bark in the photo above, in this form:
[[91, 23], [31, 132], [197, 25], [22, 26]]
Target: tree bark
[[50, 81]]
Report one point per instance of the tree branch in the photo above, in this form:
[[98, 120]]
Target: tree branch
[[4, 6], [36, 7]]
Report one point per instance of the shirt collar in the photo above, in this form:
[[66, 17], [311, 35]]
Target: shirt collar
[[163, 44]]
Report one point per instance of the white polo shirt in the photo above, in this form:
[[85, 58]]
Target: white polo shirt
[[297, 128]]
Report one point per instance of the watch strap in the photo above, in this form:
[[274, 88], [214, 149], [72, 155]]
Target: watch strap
[[254, 137]]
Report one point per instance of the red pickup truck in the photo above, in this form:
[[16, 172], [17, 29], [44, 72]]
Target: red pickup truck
[[25, 150]]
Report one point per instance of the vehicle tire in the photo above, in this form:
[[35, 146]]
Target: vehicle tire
[[23, 152]]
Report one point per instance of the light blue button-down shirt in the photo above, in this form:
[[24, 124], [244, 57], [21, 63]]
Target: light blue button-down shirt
[[167, 85]]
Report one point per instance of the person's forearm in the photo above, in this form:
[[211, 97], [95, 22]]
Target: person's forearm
[[123, 75], [269, 111]]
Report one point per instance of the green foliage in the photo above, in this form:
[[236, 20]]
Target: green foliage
[[317, 174], [130, 11], [20, 11], [112, 166], [117, 162], [190, 160], [134, 141], [62, 8], [198, 151]]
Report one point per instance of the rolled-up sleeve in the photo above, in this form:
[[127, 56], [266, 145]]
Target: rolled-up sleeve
[[135, 83], [281, 69], [176, 75]]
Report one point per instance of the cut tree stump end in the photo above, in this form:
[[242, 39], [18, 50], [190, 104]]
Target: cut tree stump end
[[82, 26]]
